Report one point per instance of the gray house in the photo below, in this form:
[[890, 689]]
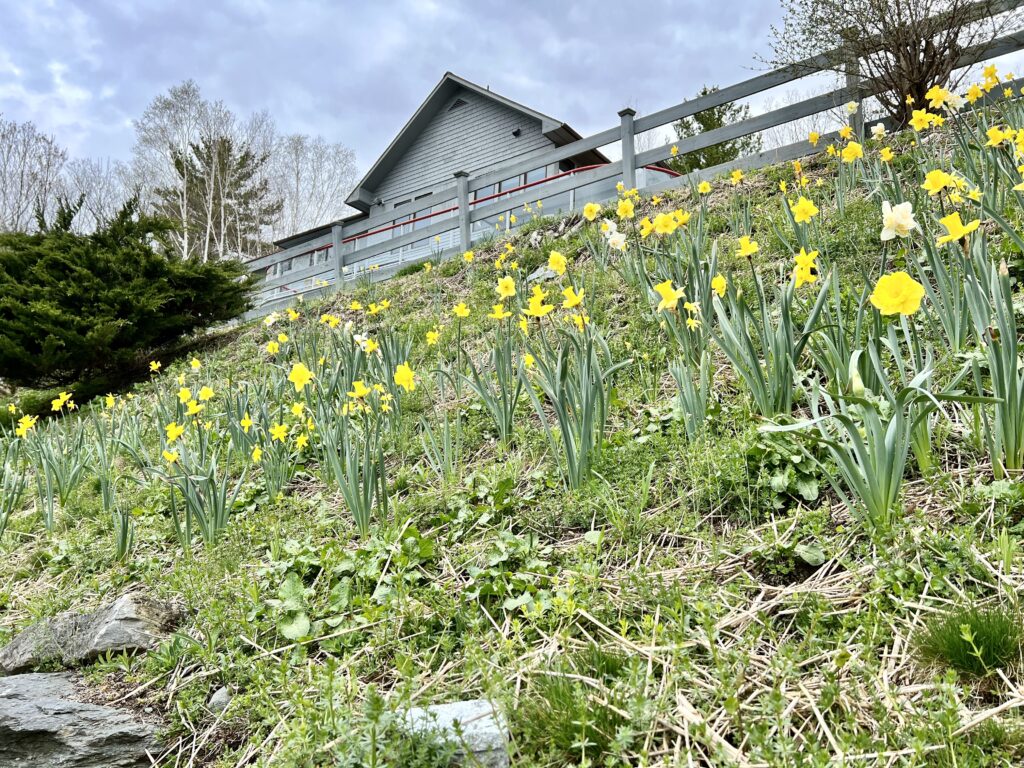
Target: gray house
[[461, 126]]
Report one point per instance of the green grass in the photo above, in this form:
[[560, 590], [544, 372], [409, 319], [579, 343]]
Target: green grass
[[976, 642], [690, 598]]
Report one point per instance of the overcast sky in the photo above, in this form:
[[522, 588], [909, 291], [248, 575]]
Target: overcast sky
[[355, 71]]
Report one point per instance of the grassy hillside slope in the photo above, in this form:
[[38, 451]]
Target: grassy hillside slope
[[708, 593]]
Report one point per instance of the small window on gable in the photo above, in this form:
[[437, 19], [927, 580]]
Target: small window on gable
[[456, 104]]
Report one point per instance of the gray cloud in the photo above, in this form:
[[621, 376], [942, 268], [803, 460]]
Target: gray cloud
[[354, 72]]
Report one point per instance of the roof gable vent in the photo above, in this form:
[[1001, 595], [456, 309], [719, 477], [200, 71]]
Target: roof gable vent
[[456, 104]]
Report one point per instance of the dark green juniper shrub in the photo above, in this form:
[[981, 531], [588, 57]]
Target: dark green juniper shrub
[[79, 306], [974, 641]]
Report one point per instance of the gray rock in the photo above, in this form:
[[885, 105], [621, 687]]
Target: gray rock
[[131, 623], [220, 700], [481, 735], [44, 725], [541, 273]]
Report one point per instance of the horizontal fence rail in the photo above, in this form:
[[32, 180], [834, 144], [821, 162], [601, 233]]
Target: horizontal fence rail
[[378, 245]]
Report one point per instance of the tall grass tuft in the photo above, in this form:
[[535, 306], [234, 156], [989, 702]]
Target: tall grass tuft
[[976, 642]]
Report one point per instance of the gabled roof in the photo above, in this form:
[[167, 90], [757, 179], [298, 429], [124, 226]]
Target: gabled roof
[[558, 132]]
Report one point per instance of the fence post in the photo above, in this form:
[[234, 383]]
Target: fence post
[[339, 259], [852, 68], [462, 180], [628, 148]]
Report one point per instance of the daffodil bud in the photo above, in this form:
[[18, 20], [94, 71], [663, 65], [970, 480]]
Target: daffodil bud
[[856, 382]]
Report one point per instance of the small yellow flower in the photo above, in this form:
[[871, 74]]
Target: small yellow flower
[[624, 210], [155, 366], [736, 177], [174, 431], [300, 376], [184, 394], [813, 137], [302, 441], [298, 409], [257, 454], [897, 293], [170, 456], [572, 299], [886, 155], [852, 151], [719, 284], [528, 360], [205, 394], [498, 312], [955, 228], [591, 211], [359, 390], [669, 296], [506, 287], [468, 256], [279, 432], [556, 263], [273, 347], [674, 150], [704, 188], [405, 378], [432, 337], [803, 210], [196, 365], [747, 247], [461, 310], [245, 423]]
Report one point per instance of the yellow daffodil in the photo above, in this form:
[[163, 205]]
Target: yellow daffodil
[[300, 376], [536, 306], [719, 285], [359, 390], [591, 211], [955, 228], [704, 188], [669, 296], [498, 312], [897, 293], [205, 394], [432, 337], [624, 210], [747, 247], [556, 263], [460, 310], [405, 378], [852, 151], [245, 423], [803, 210], [173, 431], [572, 299]]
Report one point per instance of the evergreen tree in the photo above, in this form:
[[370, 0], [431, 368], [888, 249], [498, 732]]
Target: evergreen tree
[[708, 120], [222, 201], [78, 306]]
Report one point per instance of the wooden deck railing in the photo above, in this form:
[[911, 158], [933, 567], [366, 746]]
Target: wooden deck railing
[[379, 244]]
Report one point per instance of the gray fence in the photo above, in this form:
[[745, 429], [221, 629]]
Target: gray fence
[[475, 207]]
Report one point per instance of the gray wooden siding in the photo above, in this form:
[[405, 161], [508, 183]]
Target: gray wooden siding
[[473, 137]]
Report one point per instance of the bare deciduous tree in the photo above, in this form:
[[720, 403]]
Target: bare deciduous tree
[[903, 46], [30, 167], [312, 177], [102, 185]]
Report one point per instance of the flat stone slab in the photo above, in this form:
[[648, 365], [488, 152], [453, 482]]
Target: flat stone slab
[[44, 725], [132, 623], [475, 726]]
